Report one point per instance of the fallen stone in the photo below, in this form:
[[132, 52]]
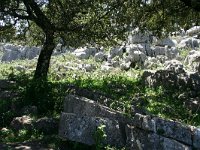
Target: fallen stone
[[167, 42], [100, 57], [174, 130], [83, 128], [196, 138], [144, 122], [24, 122], [90, 108], [138, 139]]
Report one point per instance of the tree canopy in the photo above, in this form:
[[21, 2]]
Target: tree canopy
[[79, 22]]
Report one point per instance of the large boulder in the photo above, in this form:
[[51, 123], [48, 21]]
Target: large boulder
[[171, 79], [174, 65], [193, 60], [167, 42], [144, 47], [159, 50], [172, 53], [91, 108], [152, 63], [24, 122], [85, 52], [87, 67], [83, 129], [11, 52], [140, 140], [193, 31], [28, 52], [189, 43], [100, 57], [137, 56], [10, 55], [137, 36], [117, 51]]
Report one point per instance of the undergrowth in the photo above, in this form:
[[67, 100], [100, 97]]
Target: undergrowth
[[122, 91]]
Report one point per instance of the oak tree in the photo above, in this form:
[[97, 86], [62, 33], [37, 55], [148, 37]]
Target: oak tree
[[83, 21]]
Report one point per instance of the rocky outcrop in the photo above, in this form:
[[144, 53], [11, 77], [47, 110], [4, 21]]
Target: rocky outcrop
[[44, 125], [84, 52], [81, 118], [175, 77]]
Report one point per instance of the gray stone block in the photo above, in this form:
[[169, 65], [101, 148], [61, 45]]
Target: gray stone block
[[196, 138], [138, 139], [82, 129], [144, 122], [174, 130], [83, 106]]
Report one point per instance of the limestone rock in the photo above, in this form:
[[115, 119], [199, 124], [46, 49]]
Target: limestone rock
[[100, 57], [167, 42], [125, 66], [172, 53], [10, 55], [144, 122], [137, 56], [193, 60], [143, 47], [19, 123], [117, 51], [137, 37], [196, 138], [174, 65], [174, 130], [189, 42], [82, 129], [87, 67], [159, 50], [194, 30], [85, 53], [90, 108], [28, 52], [138, 139]]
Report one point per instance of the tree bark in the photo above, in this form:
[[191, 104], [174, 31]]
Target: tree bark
[[45, 56]]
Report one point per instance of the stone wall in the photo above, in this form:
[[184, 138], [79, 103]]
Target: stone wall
[[81, 118]]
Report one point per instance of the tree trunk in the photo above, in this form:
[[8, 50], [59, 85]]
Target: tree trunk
[[45, 56]]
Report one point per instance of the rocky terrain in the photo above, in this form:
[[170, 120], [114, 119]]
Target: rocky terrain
[[169, 64]]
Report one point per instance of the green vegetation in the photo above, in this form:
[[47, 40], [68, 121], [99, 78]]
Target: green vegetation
[[119, 90], [102, 22]]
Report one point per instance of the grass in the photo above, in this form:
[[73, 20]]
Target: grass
[[118, 90]]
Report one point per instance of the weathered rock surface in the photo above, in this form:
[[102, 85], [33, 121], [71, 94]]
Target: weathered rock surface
[[138, 139], [90, 108], [143, 132], [82, 129], [24, 122], [189, 43], [85, 53], [193, 60], [100, 57], [167, 42], [171, 79], [193, 31]]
